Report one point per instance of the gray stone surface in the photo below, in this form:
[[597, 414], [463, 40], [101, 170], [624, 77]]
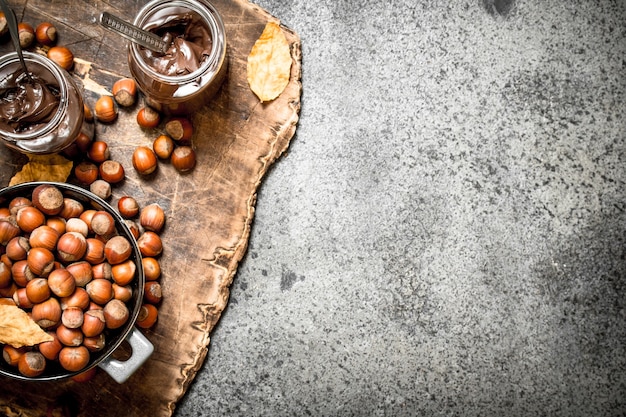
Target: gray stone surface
[[445, 236]]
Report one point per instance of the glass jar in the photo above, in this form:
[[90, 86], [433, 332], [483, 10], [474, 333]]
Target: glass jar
[[184, 91], [58, 131]]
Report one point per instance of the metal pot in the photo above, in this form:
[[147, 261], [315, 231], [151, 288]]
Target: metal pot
[[119, 370]]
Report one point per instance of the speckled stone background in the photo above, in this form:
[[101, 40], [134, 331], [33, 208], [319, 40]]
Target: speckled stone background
[[446, 235]]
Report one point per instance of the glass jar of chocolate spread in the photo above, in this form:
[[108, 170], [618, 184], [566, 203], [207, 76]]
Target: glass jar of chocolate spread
[[40, 112], [190, 73]]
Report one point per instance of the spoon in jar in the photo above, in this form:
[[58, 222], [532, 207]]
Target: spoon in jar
[[12, 22], [134, 34]]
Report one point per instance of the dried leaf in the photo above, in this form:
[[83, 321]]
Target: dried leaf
[[18, 329], [269, 63], [44, 168]]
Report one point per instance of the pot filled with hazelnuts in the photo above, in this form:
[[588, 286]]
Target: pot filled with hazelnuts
[[71, 285]]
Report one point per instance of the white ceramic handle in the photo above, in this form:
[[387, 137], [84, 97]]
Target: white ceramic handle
[[120, 371]]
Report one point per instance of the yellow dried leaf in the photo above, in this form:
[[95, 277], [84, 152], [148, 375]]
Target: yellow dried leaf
[[18, 329], [44, 168], [269, 63]]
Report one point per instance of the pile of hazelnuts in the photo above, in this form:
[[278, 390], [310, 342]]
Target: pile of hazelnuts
[[94, 168], [67, 264]]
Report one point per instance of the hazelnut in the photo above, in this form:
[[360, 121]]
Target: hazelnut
[[74, 358], [111, 171], [57, 223], [183, 158], [128, 207], [101, 188], [68, 336], [86, 172], [179, 129], [93, 323], [148, 118], [95, 251], [29, 218], [125, 92], [50, 350], [40, 261], [26, 34], [123, 293], [46, 33], [124, 273], [71, 208], [151, 268], [37, 290], [116, 314], [144, 160], [152, 292], [147, 317], [72, 317], [81, 271], [17, 203], [77, 225], [98, 151], [102, 223], [100, 291], [44, 236], [150, 244], [47, 313], [62, 56], [117, 250], [61, 282], [31, 364], [106, 112], [163, 146], [79, 298], [11, 355], [95, 343], [48, 199], [71, 247], [17, 248], [8, 229], [152, 218]]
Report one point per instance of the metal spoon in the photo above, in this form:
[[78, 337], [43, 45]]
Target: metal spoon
[[12, 22], [135, 34]]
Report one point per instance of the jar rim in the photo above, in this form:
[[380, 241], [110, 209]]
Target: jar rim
[[55, 71], [215, 25]]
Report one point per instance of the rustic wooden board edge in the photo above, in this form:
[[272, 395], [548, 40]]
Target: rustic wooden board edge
[[212, 313]]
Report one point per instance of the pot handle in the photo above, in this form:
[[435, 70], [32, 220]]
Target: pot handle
[[120, 371]]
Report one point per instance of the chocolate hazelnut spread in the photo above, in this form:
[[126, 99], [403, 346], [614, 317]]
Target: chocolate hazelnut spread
[[40, 114], [185, 78], [191, 42], [26, 103]]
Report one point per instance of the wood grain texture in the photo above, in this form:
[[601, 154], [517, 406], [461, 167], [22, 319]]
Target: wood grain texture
[[209, 211]]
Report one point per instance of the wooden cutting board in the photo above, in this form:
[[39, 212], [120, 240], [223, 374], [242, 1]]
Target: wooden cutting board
[[209, 211]]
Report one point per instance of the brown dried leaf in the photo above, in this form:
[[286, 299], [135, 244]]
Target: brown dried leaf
[[269, 63], [44, 168], [18, 329]]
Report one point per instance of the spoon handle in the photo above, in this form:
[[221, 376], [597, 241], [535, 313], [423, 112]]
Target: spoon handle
[[12, 22], [131, 32]]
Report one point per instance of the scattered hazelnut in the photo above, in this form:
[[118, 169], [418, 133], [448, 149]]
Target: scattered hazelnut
[[125, 92], [128, 207], [106, 112], [101, 188], [144, 160], [179, 129], [46, 33], [148, 118], [163, 146], [62, 56], [26, 33], [183, 158], [112, 171]]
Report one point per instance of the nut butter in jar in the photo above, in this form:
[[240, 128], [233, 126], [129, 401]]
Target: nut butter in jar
[[191, 72], [42, 113]]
